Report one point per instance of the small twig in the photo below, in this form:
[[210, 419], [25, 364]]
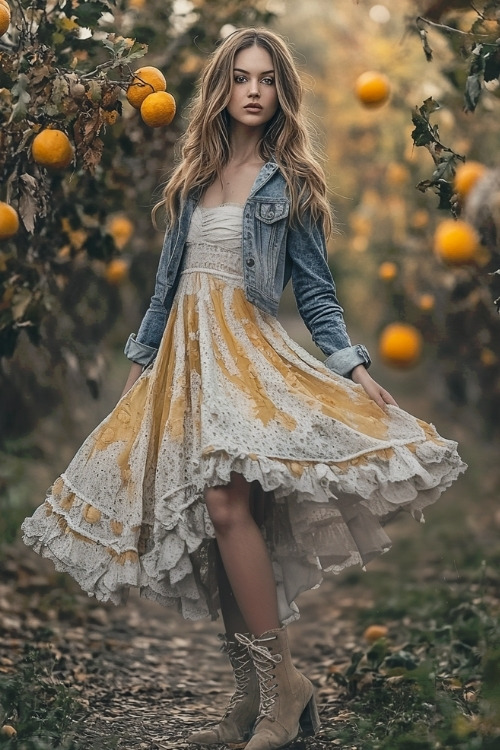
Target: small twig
[[100, 67], [23, 17], [481, 15], [443, 27]]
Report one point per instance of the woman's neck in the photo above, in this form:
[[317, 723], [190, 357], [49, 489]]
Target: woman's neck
[[245, 146]]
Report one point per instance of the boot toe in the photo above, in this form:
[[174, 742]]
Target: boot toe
[[267, 739], [205, 737]]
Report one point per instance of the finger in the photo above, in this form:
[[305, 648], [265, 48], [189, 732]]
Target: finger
[[379, 400], [389, 399]]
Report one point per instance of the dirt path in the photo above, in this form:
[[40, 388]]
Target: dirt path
[[146, 676]]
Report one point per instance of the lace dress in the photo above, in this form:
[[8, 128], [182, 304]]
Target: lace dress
[[230, 392]]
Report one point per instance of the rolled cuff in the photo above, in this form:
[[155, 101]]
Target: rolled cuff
[[345, 360], [140, 353]]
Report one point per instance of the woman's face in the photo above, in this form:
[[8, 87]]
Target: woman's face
[[254, 99]]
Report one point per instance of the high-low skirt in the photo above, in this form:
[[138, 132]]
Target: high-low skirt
[[230, 391]]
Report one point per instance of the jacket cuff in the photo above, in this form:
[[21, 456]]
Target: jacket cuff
[[140, 353], [345, 360]]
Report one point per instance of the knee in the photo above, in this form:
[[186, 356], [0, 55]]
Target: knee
[[225, 510]]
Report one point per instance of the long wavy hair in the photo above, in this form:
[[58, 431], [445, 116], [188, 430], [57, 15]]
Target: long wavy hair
[[206, 144]]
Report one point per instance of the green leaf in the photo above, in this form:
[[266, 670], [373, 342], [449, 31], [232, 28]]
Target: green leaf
[[95, 90], [402, 659], [492, 62], [429, 106], [424, 132], [473, 85], [89, 13], [51, 109], [136, 51], [355, 660], [473, 91], [58, 38], [20, 302], [21, 97], [60, 89], [377, 653]]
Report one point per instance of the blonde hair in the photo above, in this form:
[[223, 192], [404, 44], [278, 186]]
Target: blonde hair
[[206, 143]]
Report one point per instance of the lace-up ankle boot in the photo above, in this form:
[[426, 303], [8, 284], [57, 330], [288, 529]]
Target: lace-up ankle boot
[[235, 727], [287, 703]]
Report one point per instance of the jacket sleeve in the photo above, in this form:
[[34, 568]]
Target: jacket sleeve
[[317, 303], [143, 347]]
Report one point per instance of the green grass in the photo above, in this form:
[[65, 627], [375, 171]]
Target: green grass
[[46, 714], [434, 682]]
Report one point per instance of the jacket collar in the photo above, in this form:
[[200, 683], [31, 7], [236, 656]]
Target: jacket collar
[[266, 172]]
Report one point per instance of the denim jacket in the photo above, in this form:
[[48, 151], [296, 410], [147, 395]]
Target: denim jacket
[[273, 251]]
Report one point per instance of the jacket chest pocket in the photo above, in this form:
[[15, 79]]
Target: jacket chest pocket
[[271, 225], [272, 211]]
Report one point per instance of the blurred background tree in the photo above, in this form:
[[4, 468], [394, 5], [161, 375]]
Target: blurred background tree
[[77, 276], [440, 63]]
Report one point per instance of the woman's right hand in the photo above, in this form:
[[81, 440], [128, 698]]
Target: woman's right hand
[[134, 374]]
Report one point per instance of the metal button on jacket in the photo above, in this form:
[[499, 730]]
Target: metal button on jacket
[[250, 262]]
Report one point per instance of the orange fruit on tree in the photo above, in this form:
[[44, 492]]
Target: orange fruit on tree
[[400, 345], [116, 270], [426, 301], [420, 218], [158, 109], [8, 730], [372, 88], [4, 18], [52, 149], [9, 221], [121, 229], [374, 632], [466, 177], [5, 4], [146, 81], [397, 174], [488, 357], [387, 271], [456, 242]]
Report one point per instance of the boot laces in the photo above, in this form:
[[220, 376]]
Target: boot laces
[[241, 663], [265, 662]]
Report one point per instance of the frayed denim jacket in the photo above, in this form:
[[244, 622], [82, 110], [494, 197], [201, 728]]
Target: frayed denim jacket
[[273, 251]]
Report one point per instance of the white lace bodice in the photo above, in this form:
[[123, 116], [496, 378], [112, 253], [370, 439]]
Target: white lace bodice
[[214, 241]]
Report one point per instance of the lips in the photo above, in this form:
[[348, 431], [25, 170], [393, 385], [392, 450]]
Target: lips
[[253, 107]]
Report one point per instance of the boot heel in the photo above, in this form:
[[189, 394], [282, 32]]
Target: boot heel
[[309, 719]]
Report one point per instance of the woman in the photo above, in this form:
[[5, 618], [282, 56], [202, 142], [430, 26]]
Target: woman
[[236, 467]]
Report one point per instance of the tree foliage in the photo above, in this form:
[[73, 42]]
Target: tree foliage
[[470, 322], [383, 255], [66, 64]]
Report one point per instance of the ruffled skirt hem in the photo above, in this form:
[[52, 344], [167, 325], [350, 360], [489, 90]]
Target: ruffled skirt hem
[[314, 524]]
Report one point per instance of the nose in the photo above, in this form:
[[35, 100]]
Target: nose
[[254, 90]]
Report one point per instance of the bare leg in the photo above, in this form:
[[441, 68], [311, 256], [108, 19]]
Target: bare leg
[[234, 621], [244, 556]]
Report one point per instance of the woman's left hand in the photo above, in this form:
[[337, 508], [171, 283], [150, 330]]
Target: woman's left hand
[[381, 397]]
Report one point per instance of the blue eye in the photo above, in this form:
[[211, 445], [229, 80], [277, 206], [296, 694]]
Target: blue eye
[[268, 81]]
